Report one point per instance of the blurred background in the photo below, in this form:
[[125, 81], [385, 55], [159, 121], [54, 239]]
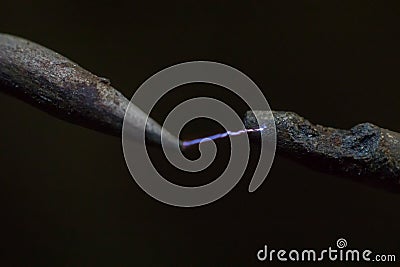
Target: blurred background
[[66, 195]]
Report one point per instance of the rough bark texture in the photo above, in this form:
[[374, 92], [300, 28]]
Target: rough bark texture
[[60, 87], [366, 152]]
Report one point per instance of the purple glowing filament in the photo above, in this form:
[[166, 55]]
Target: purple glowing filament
[[220, 135]]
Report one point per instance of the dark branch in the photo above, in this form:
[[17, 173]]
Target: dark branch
[[366, 152], [60, 87]]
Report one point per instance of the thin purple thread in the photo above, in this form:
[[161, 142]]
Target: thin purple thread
[[220, 135]]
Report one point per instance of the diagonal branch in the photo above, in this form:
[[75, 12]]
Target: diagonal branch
[[366, 152], [65, 90]]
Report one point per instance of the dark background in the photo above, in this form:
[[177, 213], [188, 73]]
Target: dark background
[[67, 198]]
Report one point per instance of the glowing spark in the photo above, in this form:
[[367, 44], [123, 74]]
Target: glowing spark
[[220, 135]]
